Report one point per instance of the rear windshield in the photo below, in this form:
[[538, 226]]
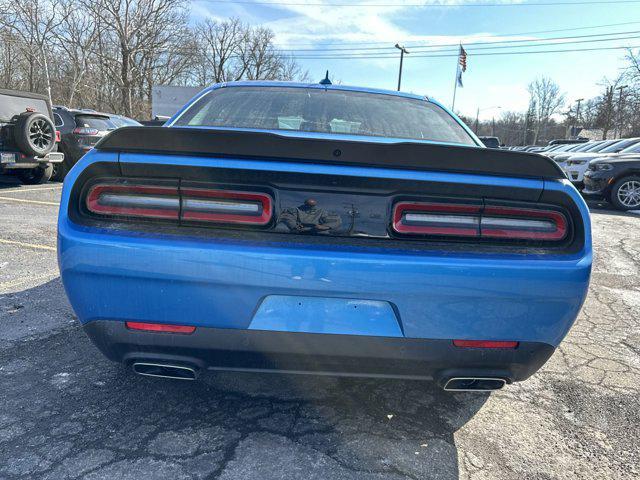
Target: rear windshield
[[324, 111], [11, 106], [91, 121]]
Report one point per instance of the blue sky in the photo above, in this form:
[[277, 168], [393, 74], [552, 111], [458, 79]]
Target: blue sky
[[490, 81]]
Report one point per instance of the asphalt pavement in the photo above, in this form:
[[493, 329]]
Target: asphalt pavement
[[67, 412]]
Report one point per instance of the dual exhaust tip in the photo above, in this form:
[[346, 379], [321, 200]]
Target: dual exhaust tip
[[181, 372], [176, 372], [474, 384]]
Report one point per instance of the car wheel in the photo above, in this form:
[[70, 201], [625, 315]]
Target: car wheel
[[625, 194], [35, 176], [60, 171], [34, 134]]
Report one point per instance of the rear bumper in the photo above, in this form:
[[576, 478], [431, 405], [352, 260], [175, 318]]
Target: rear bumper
[[232, 349], [15, 160]]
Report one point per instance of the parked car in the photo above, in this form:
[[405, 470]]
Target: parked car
[[615, 179], [564, 141], [565, 148], [577, 164], [27, 137], [490, 142], [276, 226], [122, 121], [80, 130]]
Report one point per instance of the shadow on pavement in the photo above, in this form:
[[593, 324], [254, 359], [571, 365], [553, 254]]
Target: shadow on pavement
[[68, 412]]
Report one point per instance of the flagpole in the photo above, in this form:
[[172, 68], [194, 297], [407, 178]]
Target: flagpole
[[455, 81]]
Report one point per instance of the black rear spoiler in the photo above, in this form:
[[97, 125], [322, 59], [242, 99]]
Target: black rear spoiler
[[272, 146]]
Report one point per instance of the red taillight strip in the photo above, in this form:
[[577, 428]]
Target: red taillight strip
[[198, 206], [517, 229], [484, 344], [438, 219], [469, 220], [160, 327], [152, 205]]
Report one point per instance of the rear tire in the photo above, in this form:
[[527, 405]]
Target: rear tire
[[60, 171], [35, 176], [625, 193]]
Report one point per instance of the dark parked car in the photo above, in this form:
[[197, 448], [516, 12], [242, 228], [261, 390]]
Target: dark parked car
[[27, 136], [80, 130], [490, 142], [615, 179]]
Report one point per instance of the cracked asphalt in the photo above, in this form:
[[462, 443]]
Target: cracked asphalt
[[68, 413]]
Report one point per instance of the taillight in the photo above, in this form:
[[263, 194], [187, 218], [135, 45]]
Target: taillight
[[86, 131], [173, 203], [468, 220], [437, 219], [225, 206], [134, 201], [522, 223], [58, 137]]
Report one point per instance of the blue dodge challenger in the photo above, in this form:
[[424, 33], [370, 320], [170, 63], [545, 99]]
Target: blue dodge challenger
[[319, 228]]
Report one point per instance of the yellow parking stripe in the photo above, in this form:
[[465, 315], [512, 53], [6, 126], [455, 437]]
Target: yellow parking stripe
[[28, 245], [24, 200], [15, 283], [21, 189]]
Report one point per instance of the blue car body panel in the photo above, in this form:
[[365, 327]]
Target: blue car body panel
[[220, 283]]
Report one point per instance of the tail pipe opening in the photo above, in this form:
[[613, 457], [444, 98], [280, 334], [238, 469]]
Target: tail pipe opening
[[176, 372], [474, 384]]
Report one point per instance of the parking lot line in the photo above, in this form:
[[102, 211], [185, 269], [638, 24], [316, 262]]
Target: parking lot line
[[28, 245], [24, 200], [20, 189], [15, 283]]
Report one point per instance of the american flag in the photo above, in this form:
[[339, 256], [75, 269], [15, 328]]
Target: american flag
[[462, 65], [462, 59]]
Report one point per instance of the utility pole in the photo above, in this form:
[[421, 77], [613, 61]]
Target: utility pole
[[574, 133], [477, 124], [475, 130], [619, 127], [402, 52]]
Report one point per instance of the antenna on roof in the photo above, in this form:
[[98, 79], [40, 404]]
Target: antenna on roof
[[325, 80]]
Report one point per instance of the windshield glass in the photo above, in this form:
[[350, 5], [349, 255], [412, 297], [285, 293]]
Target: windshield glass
[[324, 111], [635, 148], [11, 105], [621, 145], [91, 121]]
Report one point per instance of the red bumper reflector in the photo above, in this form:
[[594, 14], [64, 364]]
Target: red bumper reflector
[[484, 344], [160, 327]]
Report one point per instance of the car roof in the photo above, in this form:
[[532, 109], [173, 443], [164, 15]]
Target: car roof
[[318, 86], [19, 93], [75, 111]]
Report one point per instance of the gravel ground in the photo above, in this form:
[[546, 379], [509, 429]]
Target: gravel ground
[[66, 412]]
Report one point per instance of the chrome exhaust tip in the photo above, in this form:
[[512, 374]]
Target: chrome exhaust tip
[[474, 384], [176, 372]]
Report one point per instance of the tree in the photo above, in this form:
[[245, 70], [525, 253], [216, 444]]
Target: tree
[[546, 99]]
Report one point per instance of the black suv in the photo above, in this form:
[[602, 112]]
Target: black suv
[[80, 130], [28, 137]]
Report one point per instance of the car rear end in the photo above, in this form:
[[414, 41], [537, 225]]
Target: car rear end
[[185, 249], [88, 130], [12, 157]]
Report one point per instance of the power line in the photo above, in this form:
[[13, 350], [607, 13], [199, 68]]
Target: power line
[[504, 35], [319, 54], [475, 55], [426, 5], [466, 44]]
